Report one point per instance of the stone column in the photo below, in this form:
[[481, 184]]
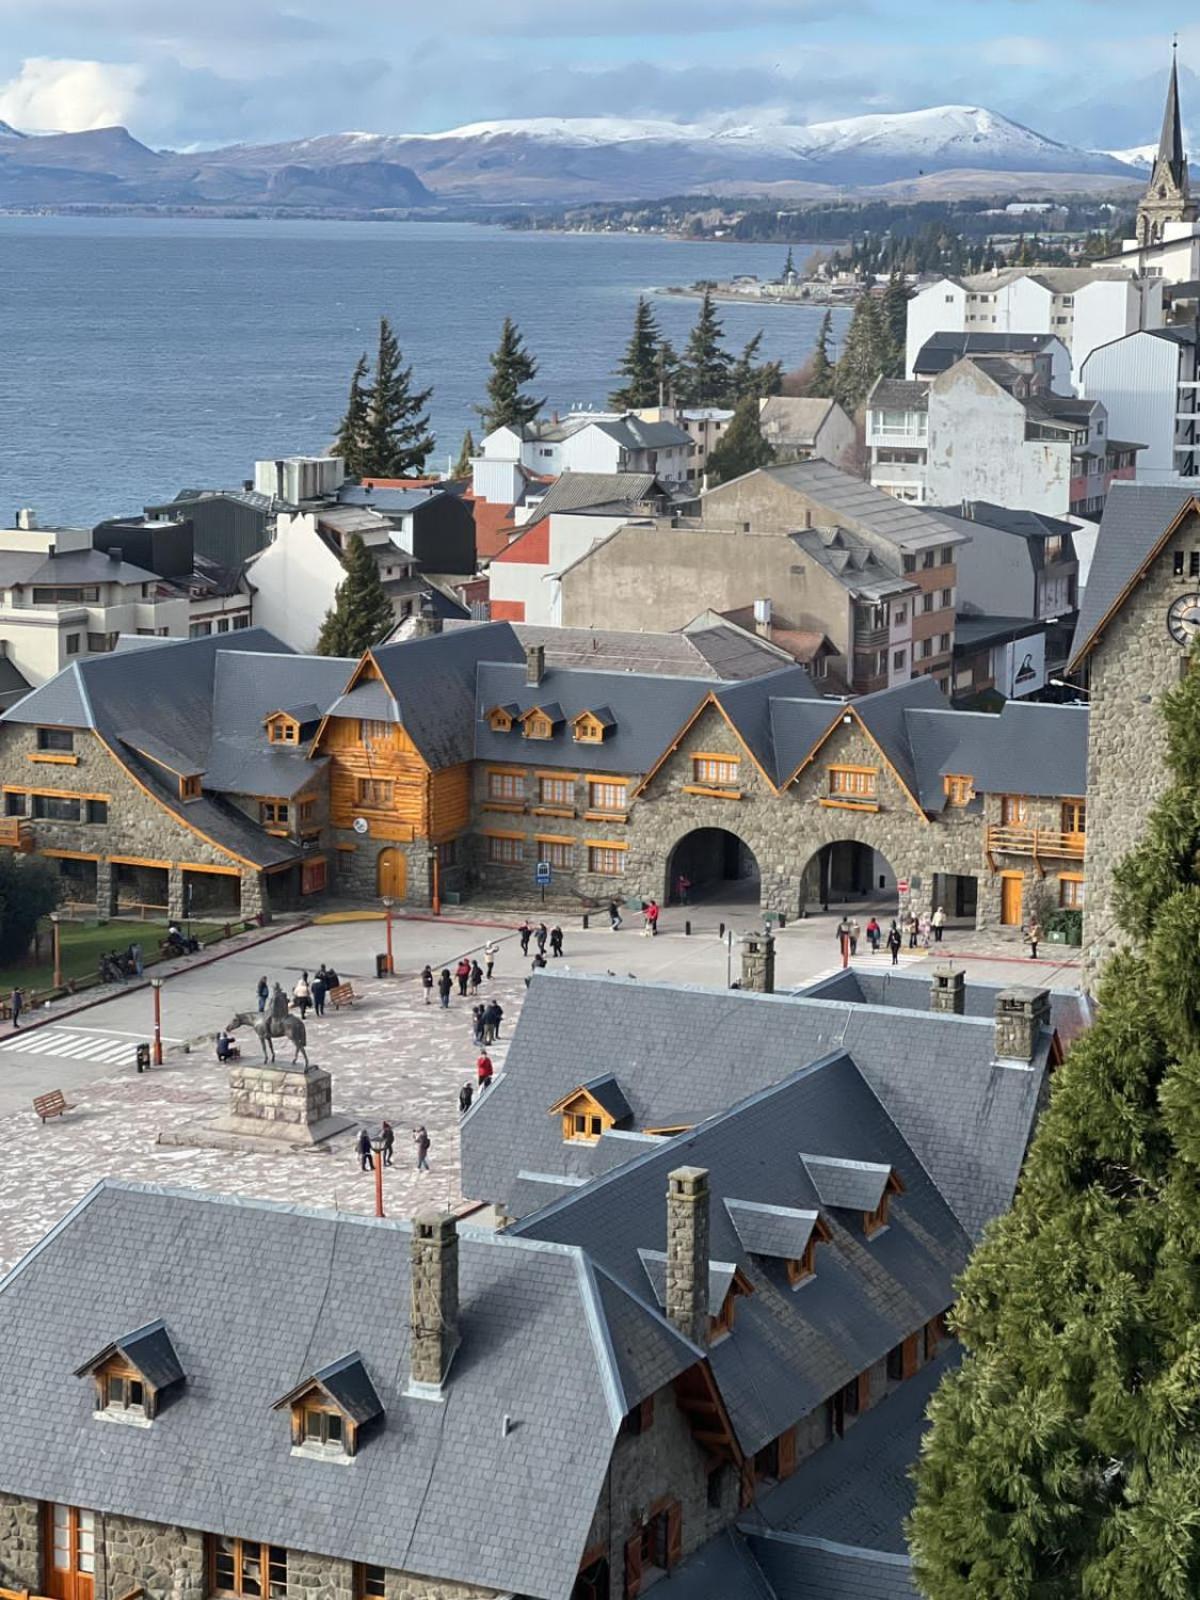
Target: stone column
[[106, 889], [251, 897], [175, 904], [434, 1299], [687, 1252], [948, 991], [1021, 1014], [758, 962]]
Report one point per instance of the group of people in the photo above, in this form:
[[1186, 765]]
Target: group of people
[[541, 936], [919, 930], [367, 1147], [306, 992], [485, 1022]]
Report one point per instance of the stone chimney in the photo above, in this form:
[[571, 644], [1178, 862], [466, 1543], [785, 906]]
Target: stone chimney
[[948, 991], [535, 664], [426, 622], [687, 1252], [758, 962], [434, 1317], [1021, 1014]]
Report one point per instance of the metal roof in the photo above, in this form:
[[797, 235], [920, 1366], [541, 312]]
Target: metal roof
[[855, 503]]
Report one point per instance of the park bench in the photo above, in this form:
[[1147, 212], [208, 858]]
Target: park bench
[[343, 995], [51, 1105]]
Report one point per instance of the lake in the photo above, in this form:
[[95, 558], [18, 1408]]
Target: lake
[[142, 356]]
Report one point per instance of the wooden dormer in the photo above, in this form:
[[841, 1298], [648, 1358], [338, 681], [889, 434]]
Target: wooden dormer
[[282, 728], [592, 727], [591, 1110], [500, 719], [721, 1320], [332, 1409], [875, 1221], [865, 1187], [804, 1266], [539, 722], [134, 1375]]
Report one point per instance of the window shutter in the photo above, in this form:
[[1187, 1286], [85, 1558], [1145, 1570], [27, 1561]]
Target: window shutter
[[633, 1566], [746, 1495], [674, 1535], [786, 1454]]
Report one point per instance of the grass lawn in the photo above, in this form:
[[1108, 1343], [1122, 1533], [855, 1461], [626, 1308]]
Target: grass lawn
[[82, 945]]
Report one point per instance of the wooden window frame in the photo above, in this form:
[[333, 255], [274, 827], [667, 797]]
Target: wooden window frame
[[850, 782], [306, 810], [512, 858], [46, 737], [366, 1585], [505, 786], [588, 729], [1074, 816], [366, 798], [274, 813], [499, 720], [560, 853], [372, 731], [267, 1558], [1014, 810], [190, 786], [959, 788], [618, 808], [283, 730], [598, 850], [1072, 894], [535, 725], [554, 790], [715, 769]]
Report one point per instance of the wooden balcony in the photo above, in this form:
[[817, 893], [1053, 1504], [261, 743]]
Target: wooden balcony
[[1040, 843], [15, 834]]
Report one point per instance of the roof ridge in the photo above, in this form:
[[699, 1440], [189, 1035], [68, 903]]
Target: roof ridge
[[606, 1356]]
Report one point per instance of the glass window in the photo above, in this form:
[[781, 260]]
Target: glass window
[[947, 597], [899, 657], [943, 642], [1070, 893], [926, 649], [959, 789], [1014, 810], [55, 739], [373, 732], [856, 782], [607, 795], [1074, 816], [926, 603], [56, 808], [715, 771], [505, 852], [238, 1567], [929, 560], [1178, 559], [97, 811], [899, 615], [557, 852], [369, 1581], [274, 811], [72, 644], [507, 786], [556, 791], [606, 859], [909, 563], [946, 555], [1194, 564], [374, 792], [14, 804]]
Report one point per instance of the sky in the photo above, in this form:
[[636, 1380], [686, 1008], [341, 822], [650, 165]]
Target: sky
[[191, 73]]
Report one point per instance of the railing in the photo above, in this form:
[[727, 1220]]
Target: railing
[[890, 432], [15, 834], [1017, 841]]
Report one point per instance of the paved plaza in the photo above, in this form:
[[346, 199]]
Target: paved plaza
[[390, 1055]]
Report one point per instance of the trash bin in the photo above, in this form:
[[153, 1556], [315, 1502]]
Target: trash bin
[[381, 965], [143, 1058]]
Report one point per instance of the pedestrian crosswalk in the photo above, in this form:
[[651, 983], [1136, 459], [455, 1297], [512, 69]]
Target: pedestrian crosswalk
[[880, 963], [74, 1044]]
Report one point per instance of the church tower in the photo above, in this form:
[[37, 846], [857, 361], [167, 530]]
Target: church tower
[[1168, 196]]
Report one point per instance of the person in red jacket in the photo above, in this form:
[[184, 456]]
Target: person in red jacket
[[484, 1069], [463, 972]]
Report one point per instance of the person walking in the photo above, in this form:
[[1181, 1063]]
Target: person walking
[[894, 942], [476, 977], [914, 929], [331, 980], [556, 939], [614, 915], [427, 982], [366, 1161], [490, 951], [421, 1140], [526, 933], [494, 1015], [855, 931], [387, 1140], [135, 950], [1034, 937], [264, 993], [317, 989], [445, 984], [463, 973], [302, 995], [540, 938], [939, 922], [652, 918], [874, 934], [682, 884], [484, 1070], [15, 1003], [465, 1095]]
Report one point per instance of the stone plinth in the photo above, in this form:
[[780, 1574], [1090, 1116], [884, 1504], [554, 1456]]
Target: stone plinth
[[269, 1106]]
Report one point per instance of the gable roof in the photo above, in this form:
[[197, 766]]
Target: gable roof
[[149, 1349], [1138, 520], [310, 1285], [765, 1230], [347, 1383], [846, 1185], [1030, 748], [857, 503]]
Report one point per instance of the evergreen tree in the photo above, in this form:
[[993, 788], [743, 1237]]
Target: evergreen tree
[[821, 370], [397, 439], [640, 364], [749, 376], [1063, 1458], [705, 369], [462, 467], [512, 366], [895, 319], [864, 355], [352, 429], [361, 613], [30, 888], [743, 449]]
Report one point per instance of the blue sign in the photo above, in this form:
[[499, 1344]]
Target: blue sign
[[542, 873]]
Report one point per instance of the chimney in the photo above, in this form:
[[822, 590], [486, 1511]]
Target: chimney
[[758, 962], [1021, 1014], [434, 1317], [535, 664], [762, 618], [948, 991], [426, 622], [687, 1252], [115, 553], [27, 519]]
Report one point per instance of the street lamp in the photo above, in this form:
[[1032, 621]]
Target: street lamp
[[377, 1147], [54, 915], [388, 903], [435, 871], [156, 984]]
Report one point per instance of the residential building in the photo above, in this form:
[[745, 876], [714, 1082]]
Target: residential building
[[942, 350], [219, 597], [583, 441], [228, 525], [704, 425], [799, 429], [436, 524], [897, 437], [1149, 384]]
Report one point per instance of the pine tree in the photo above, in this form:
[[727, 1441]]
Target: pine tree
[[895, 320], [705, 369], [749, 376], [742, 450], [864, 355], [361, 613], [462, 467], [512, 366], [821, 369], [667, 369], [353, 427], [397, 439], [1063, 1458], [639, 365]]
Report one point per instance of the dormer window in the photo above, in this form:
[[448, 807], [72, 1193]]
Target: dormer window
[[282, 730], [134, 1376], [189, 786], [959, 788], [332, 1410], [323, 1426], [591, 727], [500, 719], [780, 1233], [591, 1110], [122, 1390], [537, 726], [865, 1187], [876, 1220]]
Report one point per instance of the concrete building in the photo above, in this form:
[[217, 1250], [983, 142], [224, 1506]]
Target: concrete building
[[704, 425], [897, 437], [801, 429], [583, 441], [1149, 384], [942, 350]]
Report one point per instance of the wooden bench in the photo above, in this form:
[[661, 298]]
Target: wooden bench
[[51, 1105], [343, 995]]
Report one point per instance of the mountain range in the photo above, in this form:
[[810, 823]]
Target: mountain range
[[556, 161]]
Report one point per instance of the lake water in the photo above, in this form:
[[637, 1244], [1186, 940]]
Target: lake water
[[142, 356]]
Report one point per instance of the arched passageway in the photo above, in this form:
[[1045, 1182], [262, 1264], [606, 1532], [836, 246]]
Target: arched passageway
[[712, 864], [848, 872]]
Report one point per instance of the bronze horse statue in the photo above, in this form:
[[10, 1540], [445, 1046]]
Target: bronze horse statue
[[269, 1028]]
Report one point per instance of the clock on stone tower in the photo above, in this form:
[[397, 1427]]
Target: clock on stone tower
[[1183, 619]]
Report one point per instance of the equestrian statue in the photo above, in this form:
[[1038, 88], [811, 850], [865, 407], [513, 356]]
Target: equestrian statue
[[277, 1023]]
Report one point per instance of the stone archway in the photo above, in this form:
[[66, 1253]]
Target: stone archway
[[848, 872], [718, 865]]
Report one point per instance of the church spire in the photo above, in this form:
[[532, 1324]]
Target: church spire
[[1170, 142], [1168, 196]]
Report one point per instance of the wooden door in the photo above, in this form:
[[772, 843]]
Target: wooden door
[[70, 1544], [391, 874], [1011, 885]]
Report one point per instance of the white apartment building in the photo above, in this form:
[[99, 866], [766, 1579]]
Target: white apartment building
[[1149, 383], [584, 441], [897, 437]]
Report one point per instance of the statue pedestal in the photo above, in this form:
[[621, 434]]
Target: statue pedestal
[[269, 1107]]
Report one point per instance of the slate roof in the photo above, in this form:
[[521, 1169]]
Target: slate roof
[[631, 433], [942, 350], [537, 1322], [862, 563], [716, 652], [654, 1265], [432, 682], [1030, 748], [797, 1568], [1136, 520], [347, 1383], [1024, 524], [789, 1349], [898, 394], [684, 1054], [607, 1094], [846, 1185], [160, 752], [857, 503], [780, 1231], [149, 1349]]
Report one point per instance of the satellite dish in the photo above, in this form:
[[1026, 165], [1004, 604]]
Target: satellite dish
[[361, 825]]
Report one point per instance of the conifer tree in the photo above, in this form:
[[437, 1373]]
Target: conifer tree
[[352, 429], [864, 355], [396, 439], [820, 367], [512, 366], [1063, 1458], [742, 450], [667, 369], [749, 376], [639, 365], [361, 613], [462, 467], [704, 371], [895, 319]]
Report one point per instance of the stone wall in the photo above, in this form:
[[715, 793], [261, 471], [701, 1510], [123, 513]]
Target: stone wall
[[20, 1543], [1132, 667], [162, 1560], [271, 1094], [1039, 888], [354, 867]]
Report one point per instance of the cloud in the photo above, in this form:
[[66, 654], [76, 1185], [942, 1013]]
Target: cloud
[[70, 96]]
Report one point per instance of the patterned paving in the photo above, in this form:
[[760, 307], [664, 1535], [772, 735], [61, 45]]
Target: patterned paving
[[391, 1056]]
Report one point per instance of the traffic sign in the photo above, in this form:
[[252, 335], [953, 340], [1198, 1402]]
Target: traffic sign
[[542, 873]]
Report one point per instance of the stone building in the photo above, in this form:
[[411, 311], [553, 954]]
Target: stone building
[[1139, 619]]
